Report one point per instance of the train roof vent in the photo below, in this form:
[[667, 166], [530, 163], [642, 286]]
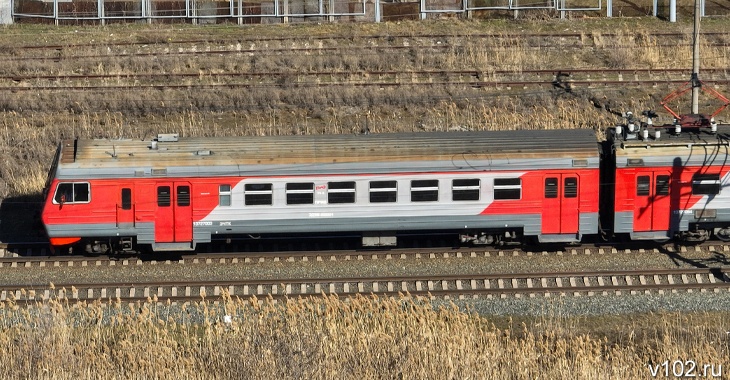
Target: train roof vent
[[168, 137], [203, 153]]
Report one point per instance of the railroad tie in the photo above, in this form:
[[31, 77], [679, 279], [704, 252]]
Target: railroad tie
[[419, 286], [303, 289], [375, 287], [444, 285], [404, 286], [159, 291], [3, 295], [103, 293], [187, 291], [698, 277], [487, 284], [446, 255], [90, 293], [131, 292], [259, 289], [602, 283], [587, 282], [146, 292], [360, 287], [317, 288], [573, 284], [459, 285], [118, 293], [473, 284], [216, 290], [173, 291]]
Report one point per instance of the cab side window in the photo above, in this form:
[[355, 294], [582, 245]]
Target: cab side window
[[72, 192]]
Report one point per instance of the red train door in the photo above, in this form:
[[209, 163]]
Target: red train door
[[652, 206], [174, 216], [560, 208]]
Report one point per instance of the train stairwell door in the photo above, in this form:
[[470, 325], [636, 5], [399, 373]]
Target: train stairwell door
[[652, 205], [174, 216], [560, 208]]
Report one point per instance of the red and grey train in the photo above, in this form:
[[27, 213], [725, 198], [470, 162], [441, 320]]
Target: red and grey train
[[490, 187]]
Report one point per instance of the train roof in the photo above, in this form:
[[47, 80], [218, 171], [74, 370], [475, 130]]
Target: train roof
[[168, 155], [699, 147]]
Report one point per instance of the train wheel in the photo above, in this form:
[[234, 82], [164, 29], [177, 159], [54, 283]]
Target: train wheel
[[723, 234]]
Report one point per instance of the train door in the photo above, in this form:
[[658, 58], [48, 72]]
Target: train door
[[560, 208], [125, 207], [652, 206], [174, 216]]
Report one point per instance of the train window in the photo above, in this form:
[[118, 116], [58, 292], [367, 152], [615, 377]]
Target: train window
[[299, 193], [163, 196], [570, 187], [507, 188], [224, 195], [183, 195], [551, 187], [341, 192], [425, 190], [257, 194], [705, 184], [126, 199], [465, 189], [643, 185], [72, 192], [662, 185], [383, 191]]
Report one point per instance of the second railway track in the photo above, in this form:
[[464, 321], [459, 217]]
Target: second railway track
[[492, 285]]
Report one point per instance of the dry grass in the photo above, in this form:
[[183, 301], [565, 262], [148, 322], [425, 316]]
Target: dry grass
[[33, 122], [363, 337]]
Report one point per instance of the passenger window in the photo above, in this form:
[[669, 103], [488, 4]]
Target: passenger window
[[183, 196], [224, 195], [72, 192], [340, 192], [465, 189], [570, 187], [706, 184], [507, 188], [662, 185], [126, 199], [383, 191], [299, 193], [425, 190], [551, 187], [163, 196], [643, 185], [257, 194]]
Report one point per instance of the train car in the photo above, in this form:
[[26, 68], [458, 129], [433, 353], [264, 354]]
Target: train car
[[671, 183], [171, 193]]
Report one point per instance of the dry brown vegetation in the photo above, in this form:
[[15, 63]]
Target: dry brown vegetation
[[33, 122], [318, 338]]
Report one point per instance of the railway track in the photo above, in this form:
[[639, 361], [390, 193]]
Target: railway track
[[35, 257], [545, 284], [373, 79], [532, 38]]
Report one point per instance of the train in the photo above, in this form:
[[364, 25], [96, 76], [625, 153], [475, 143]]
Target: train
[[172, 193]]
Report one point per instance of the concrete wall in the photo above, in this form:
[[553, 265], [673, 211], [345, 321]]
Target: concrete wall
[[5, 12]]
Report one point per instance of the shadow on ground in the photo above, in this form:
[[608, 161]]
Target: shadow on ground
[[20, 223]]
